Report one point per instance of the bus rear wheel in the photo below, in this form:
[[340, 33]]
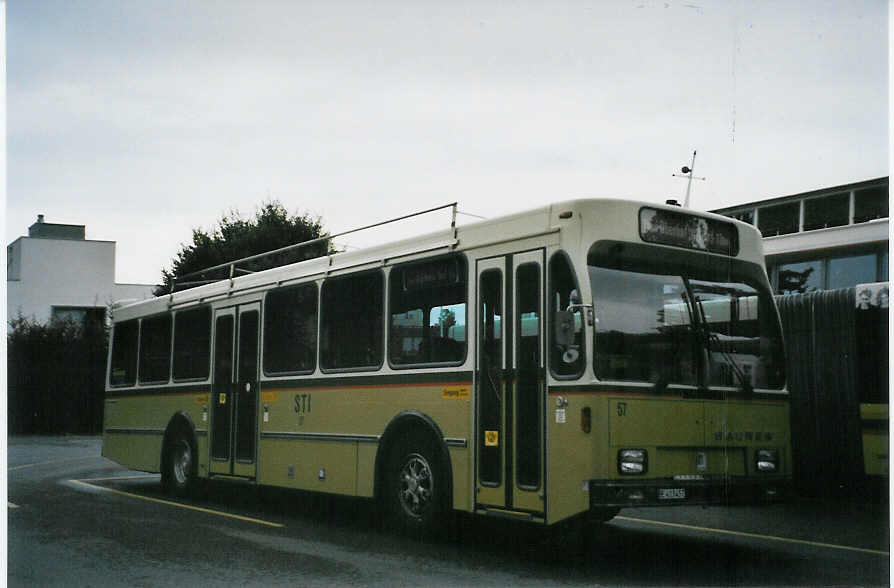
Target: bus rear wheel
[[416, 489], [178, 474]]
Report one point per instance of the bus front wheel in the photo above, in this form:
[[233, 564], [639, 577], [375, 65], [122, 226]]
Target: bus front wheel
[[417, 486]]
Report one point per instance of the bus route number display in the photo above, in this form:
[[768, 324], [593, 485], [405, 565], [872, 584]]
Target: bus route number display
[[669, 227]]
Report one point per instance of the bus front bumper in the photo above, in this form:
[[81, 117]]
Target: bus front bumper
[[668, 492]]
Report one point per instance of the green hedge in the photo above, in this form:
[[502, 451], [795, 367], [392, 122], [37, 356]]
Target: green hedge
[[56, 375]]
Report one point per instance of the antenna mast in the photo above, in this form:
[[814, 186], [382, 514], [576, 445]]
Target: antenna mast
[[687, 173]]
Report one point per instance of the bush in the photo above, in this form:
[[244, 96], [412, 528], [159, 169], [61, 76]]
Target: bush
[[56, 376]]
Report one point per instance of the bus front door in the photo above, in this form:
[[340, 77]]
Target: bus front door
[[510, 383], [234, 417]]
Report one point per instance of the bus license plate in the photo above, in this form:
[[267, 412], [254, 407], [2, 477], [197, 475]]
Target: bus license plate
[[671, 493]]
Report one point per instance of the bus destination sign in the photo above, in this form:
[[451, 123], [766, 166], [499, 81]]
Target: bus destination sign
[[434, 274], [669, 227]]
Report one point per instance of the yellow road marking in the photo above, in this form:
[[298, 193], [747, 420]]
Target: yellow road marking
[[40, 463], [186, 506], [753, 535], [140, 477]]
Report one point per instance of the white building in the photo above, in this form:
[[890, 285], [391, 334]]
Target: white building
[[56, 272], [825, 239]]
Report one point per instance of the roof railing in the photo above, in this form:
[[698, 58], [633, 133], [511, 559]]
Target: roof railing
[[234, 270]]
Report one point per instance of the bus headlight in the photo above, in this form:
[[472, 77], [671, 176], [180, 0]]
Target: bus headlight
[[767, 460], [632, 461]]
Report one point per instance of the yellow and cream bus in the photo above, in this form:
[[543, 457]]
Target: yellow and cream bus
[[575, 359]]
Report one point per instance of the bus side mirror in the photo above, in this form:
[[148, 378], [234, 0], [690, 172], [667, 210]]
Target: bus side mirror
[[564, 328]]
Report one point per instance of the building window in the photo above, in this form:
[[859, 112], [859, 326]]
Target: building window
[[828, 211], [290, 330], [830, 273], [80, 315], [428, 312], [352, 322], [800, 278], [870, 203], [847, 272], [192, 344], [746, 216], [780, 219]]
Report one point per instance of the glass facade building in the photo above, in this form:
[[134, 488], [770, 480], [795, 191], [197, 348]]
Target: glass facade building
[[824, 239]]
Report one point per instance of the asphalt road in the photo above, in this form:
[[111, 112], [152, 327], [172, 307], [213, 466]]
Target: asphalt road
[[76, 519]]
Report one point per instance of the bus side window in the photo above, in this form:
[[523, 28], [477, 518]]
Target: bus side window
[[871, 365], [123, 368], [192, 344], [155, 349], [352, 322], [290, 330], [566, 357], [428, 312]]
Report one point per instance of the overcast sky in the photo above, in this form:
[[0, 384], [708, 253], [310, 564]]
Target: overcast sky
[[145, 119]]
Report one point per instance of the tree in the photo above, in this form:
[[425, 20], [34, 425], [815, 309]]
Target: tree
[[235, 237], [446, 319]]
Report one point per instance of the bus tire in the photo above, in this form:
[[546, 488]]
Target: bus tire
[[416, 488], [179, 466]]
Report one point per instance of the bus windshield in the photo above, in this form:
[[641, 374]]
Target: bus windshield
[[673, 326]]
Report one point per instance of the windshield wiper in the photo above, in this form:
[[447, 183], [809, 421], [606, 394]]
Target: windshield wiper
[[744, 381], [710, 337]]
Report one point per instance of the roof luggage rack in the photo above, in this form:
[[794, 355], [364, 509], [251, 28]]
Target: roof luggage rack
[[235, 271]]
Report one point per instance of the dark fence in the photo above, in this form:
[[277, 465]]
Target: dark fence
[[835, 359], [56, 377]]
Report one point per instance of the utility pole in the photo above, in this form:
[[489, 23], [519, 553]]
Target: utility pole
[[687, 173]]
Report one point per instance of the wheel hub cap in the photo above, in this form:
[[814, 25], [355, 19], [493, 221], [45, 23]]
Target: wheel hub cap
[[182, 459], [417, 484]]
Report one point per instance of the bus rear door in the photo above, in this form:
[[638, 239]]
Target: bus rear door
[[235, 391]]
